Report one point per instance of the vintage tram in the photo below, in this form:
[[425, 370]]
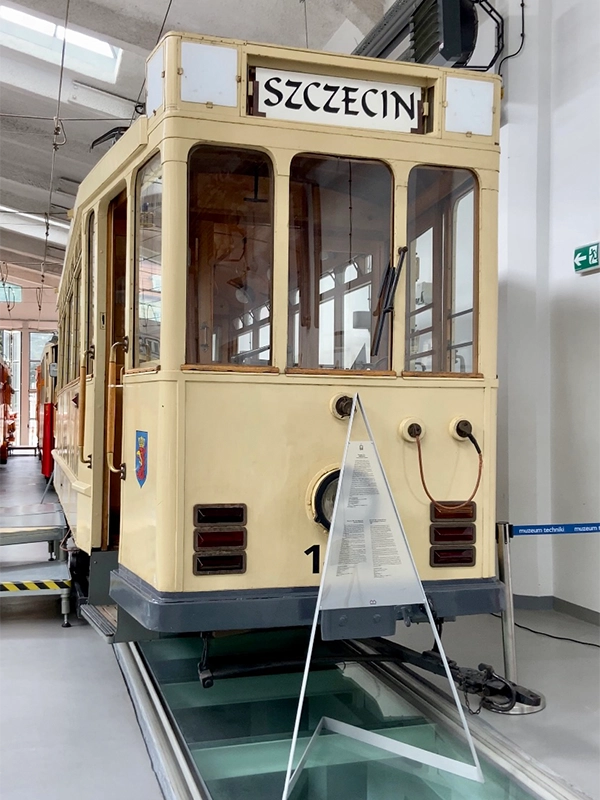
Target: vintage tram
[[7, 426], [232, 277], [45, 383]]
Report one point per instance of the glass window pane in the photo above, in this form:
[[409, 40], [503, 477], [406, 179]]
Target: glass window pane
[[231, 257], [340, 243], [149, 263], [10, 293], [37, 342], [462, 294], [462, 329], [441, 270], [91, 294], [76, 304], [420, 363]]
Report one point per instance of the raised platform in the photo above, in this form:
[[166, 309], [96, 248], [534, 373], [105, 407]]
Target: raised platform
[[23, 521], [38, 522]]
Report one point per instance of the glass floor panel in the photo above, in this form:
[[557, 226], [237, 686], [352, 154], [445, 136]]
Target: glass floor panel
[[239, 731]]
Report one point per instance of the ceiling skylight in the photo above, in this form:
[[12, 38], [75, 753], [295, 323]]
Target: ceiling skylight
[[34, 225], [43, 39]]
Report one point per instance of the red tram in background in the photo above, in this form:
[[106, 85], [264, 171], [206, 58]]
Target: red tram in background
[[45, 382], [7, 425]]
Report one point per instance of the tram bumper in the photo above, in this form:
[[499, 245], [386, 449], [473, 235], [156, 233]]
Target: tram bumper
[[184, 612]]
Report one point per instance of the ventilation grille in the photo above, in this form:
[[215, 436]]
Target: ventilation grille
[[425, 32]]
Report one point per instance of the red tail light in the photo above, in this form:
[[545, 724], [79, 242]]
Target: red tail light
[[451, 510], [217, 564], [220, 514], [452, 534], [217, 539], [452, 556]]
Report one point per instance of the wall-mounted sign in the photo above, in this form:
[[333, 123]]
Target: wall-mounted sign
[[546, 530], [302, 97], [585, 259]]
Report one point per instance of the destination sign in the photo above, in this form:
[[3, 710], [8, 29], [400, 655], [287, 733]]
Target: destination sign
[[303, 97]]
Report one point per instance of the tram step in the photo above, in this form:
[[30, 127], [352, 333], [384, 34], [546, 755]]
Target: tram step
[[103, 619]]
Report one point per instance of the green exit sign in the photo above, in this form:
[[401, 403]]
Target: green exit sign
[[585, 258]]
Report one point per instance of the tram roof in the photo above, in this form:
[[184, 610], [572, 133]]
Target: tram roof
[[238, 56]]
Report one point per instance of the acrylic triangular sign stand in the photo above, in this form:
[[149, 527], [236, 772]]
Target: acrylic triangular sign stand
[[369, 563]]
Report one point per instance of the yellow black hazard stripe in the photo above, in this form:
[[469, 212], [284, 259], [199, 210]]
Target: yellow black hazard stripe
[[27, 586]]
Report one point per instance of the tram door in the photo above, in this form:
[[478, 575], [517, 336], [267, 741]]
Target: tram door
[[116, 331]]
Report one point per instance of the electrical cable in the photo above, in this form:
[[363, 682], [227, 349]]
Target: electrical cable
[[516, 53], [551, 635], [64, 119], [436, 503], [59, 130]]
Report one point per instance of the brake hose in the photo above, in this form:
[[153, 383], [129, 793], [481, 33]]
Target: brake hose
[[440, 506]]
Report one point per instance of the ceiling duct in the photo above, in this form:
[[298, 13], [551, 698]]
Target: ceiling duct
[[443, 32]]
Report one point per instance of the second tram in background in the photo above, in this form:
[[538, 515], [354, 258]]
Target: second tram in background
[[7, 427], [45, 382], [232, 275]]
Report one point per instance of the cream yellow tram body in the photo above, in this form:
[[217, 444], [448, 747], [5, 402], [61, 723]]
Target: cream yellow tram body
[[224, 287]]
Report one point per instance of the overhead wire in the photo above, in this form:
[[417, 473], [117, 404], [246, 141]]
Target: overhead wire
[[64, 119], [305, 22], [59, 139], [3, 279], [59, 131]]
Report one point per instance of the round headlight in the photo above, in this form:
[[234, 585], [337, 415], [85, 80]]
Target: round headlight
[[324, 498]]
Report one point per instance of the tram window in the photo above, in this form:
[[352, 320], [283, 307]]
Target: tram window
[[149, 263], [76, 299], [441, 335], [69, 329], [230, 257], [91, 272], [339, 249], [61, 347]]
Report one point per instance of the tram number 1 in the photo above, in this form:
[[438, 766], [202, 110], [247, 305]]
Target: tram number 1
[[316, 557]]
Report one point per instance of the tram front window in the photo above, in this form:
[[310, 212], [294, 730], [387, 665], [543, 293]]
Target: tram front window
[[441, 335], [230, 263], [340, 243]]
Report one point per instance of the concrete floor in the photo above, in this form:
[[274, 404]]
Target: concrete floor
[[565, 736], [67, 727]]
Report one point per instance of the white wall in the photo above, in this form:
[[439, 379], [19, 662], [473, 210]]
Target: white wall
[[524, 481], [575, 299], [549, 353]]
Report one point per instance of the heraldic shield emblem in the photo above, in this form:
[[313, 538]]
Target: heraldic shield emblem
[[141, 456]]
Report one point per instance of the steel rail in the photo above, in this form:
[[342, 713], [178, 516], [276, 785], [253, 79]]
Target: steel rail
[[495, 748], [177, 781], [180, 781]]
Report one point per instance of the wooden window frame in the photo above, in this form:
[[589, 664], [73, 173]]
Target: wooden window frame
[[308, 343], [200, 301], [440, 217]]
